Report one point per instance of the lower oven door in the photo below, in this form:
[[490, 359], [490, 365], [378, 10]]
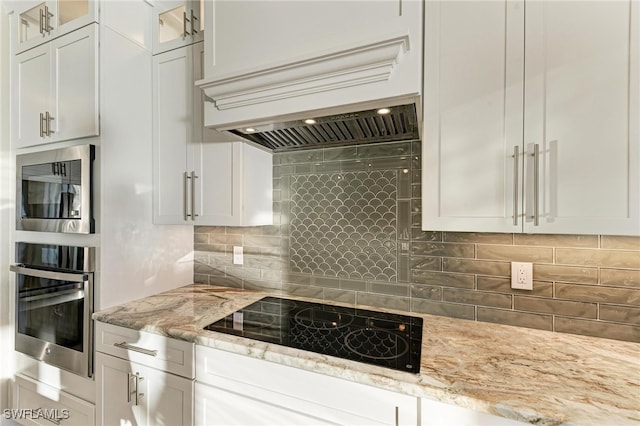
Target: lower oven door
[[53, 317]]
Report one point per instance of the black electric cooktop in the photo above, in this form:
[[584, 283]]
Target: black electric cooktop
[[379, 338]]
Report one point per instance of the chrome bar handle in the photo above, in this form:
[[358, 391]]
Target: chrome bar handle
[[193, 195], [397, 416], [54, 420], [194, 18], [184, 24], [48, 119], [138, 394], [516, 173], [42, 22], [536, 185], [125, 345], [129, 377], [47, 16], [185, 197], [41, 125]]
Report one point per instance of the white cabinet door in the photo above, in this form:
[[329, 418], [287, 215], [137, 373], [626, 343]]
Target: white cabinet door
[[177, 23], [31, 94], [130, 393], [281, 30], [472, 115], [41, 404], [220, 407], [41, 21], [582, 94], [75, 85], [56, 95], [237, 389], [435, 413], [200, 176], [577, 100], [172, 134]]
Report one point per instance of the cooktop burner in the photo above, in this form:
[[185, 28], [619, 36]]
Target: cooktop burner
[[379, 338]]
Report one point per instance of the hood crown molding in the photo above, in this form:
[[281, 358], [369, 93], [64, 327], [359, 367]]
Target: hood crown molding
[[355, 65]]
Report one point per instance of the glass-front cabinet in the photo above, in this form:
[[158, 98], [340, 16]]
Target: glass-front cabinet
[[177, 23], [41, 21]]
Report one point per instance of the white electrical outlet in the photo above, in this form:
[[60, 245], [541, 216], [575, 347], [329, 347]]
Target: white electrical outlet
[[238, 257], [522, 275]]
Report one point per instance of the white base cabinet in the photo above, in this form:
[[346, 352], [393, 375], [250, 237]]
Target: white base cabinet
[[139, 395], [36, 403], [142, 378], [232, 389]]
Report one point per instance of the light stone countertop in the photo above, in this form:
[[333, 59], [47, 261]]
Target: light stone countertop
[[529, 375]]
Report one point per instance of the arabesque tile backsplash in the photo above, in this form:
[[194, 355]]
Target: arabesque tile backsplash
[[347, 228]]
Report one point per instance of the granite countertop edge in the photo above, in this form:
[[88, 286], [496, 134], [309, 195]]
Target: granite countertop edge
[[529, 375]]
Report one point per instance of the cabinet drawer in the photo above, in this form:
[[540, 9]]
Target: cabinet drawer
[[316, 395], [166, 354], [39, 404]]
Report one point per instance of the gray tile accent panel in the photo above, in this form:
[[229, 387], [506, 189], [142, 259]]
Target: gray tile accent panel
[[344, 225]]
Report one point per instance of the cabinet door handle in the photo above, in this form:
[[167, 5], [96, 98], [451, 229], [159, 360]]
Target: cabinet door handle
[[185, 193], [397, 416], [47, 17], [516, 173], [193, 195], [41, 125], [125, 345], [184, 24], [536, 184], [138, 394], [194, 18], [47, 119], [129, 392], [42, 22]]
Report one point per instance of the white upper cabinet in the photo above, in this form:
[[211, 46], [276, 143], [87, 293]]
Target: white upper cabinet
[[56, 90], [532, 131], [582, 94], [265, 59], [176, 24], [41, 21], [199, 178]]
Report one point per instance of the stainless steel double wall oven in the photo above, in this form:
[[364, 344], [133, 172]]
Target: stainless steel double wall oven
[[55, 282]]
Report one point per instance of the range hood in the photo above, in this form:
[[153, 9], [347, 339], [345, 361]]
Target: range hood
[[362, 127], [325, 98]]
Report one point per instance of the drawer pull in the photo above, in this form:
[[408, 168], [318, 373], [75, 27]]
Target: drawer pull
[[125, 345], [53, 420]]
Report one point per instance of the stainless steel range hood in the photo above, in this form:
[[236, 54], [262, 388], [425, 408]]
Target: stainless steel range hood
[[362, 127]]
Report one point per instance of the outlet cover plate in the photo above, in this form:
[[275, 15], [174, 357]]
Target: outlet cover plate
[[522, 275]]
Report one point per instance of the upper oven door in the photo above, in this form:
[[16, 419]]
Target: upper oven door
[[53, 190]]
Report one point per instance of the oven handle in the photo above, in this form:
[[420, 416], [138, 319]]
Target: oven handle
[[63, 276]]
